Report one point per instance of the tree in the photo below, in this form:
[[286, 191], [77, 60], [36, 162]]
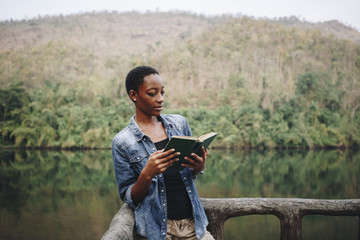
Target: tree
[[11, 98]]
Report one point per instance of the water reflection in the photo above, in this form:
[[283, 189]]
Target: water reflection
[[72, 195], [56, 195], [330, 174]]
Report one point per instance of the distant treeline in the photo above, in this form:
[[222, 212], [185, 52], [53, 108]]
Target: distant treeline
[[258, 83], [51, 118]]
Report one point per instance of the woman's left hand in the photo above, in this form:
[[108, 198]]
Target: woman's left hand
[[197, 163]]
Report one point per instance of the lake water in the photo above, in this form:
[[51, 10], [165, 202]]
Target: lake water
[[73, 195]]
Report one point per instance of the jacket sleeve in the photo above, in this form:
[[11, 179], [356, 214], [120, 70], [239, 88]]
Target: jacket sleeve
[[124, 173], [187, 128]]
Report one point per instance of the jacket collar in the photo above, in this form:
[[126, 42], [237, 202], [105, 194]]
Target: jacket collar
[[139, 135]]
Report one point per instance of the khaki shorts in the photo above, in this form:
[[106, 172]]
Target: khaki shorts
[[182, 230]]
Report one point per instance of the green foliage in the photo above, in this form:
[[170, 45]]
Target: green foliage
[[11, 98], [307, 84], [59, 119], [259, 84]]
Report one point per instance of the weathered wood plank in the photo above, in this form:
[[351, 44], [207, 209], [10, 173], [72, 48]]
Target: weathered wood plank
[[122, 225], [290, 211]]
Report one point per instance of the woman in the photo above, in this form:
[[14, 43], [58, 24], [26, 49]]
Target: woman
[[165, 202]]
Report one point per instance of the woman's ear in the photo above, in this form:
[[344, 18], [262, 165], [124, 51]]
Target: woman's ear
[[132, 95]]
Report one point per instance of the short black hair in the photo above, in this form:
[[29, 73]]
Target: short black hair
[[136, 77]]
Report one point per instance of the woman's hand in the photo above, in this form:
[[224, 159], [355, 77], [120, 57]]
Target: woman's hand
[[159, 161], [197, 163]]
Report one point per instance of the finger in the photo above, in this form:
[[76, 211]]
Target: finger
[[207, 153], [192, 162], [157, 153], [193, 166], [167, 164], [203, 149], [203, 152], [196, 157], [169, 157], [160, 157], [162, 154]]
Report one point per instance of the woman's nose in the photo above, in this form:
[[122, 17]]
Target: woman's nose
[[160, 98]]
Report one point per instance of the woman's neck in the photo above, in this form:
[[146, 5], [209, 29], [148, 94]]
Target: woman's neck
[[151, 127], [146, 120]]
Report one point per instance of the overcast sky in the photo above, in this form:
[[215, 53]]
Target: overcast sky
[[346, 11]]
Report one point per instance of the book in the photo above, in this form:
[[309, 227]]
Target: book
[[187, 145]]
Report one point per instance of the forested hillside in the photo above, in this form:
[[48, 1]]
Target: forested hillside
[[259, 83]]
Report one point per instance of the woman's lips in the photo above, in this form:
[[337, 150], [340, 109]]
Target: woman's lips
[[159, 108]]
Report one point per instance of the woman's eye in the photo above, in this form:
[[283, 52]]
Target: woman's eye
[[151, 94], [162, 93]]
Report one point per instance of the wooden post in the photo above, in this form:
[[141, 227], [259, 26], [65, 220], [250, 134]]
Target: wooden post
[[291, 226], [359, 229]]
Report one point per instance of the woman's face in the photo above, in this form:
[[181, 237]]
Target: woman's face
[[150, 95]]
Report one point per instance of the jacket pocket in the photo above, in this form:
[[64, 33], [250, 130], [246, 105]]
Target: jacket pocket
[[137, 156], [138, 160]]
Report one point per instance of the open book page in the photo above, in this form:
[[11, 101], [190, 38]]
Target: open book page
[[187, 145], [206, 136]]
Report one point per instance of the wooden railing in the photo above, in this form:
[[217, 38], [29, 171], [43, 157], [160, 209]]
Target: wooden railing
[[290, 212]]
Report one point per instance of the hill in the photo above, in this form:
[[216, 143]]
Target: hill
[[332, 27], [261, 83]]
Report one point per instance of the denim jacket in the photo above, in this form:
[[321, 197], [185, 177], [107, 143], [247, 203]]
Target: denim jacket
[[131, 149]]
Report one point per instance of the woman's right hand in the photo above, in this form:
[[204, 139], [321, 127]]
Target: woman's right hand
[[159, 161]]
